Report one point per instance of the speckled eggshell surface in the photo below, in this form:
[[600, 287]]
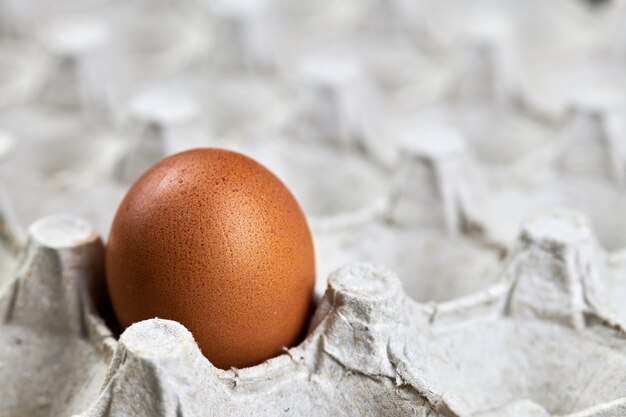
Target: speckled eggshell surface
[[213, 240]]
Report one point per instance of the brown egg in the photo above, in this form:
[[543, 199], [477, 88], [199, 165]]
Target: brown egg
[[213, 240]]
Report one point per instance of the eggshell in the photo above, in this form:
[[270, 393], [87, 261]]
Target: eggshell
[[213, 240]]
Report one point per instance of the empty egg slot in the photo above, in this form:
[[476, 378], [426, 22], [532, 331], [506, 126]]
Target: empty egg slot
[[429, 233]]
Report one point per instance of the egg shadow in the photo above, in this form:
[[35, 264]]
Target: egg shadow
[[103, 305]]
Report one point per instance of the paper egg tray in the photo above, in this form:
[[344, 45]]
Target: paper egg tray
[[547, 335], [477, 151]]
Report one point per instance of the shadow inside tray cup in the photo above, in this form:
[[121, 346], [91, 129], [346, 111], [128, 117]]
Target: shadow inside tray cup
[[431, 265], [22, 69], [56, 150], [490, 363], [598, 199], [485, 137], [166, 46], [442, 268]]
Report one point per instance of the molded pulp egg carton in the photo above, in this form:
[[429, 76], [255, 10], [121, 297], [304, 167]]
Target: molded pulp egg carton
[[477, 150]]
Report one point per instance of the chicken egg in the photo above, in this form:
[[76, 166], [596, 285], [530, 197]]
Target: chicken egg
[[213, 240]]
